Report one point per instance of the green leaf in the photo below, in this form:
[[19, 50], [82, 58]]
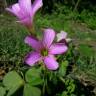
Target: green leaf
[[64, 93], [33, 77], [31, 91], [2, 91], [12, 81], [63, 68], [71, 88]]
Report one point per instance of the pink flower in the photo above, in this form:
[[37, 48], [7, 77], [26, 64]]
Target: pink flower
[[45, 50], [25, 10]]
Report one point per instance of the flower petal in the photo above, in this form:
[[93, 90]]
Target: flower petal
[[26, 21], [26, 6], [36, 5], [48, 37], [15, 9], [61, 35], [33, 42], [32, 58], [51, 63], [58, 48], [10, 10]]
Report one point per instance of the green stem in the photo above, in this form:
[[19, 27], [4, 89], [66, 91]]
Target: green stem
[[45, 79], [62, 79], [76, 5], [32, 30]]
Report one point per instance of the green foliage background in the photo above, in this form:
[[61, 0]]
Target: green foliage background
[[79, 21]]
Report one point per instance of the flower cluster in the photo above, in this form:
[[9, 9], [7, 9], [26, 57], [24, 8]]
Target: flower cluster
[[44, 49]]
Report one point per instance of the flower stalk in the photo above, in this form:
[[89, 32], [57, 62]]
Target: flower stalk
[[32, 31]]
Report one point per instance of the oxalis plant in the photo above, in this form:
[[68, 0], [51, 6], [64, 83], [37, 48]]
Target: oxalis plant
[[48, 76]]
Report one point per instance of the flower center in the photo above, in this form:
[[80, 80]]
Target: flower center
[[44, 52]]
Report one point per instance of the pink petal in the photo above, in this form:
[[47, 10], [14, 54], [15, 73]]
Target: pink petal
[[15, 9], [33, 42], [10, 10], [48, 37], [25, 6], [51, 63], [36, 5], [58, 48], [32, 58], [26, 21]]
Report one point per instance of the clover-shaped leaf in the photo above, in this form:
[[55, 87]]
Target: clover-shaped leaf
[[12, 82], [33, 77]]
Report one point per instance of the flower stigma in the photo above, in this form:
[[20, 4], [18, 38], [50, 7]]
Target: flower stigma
[[44, 52]]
